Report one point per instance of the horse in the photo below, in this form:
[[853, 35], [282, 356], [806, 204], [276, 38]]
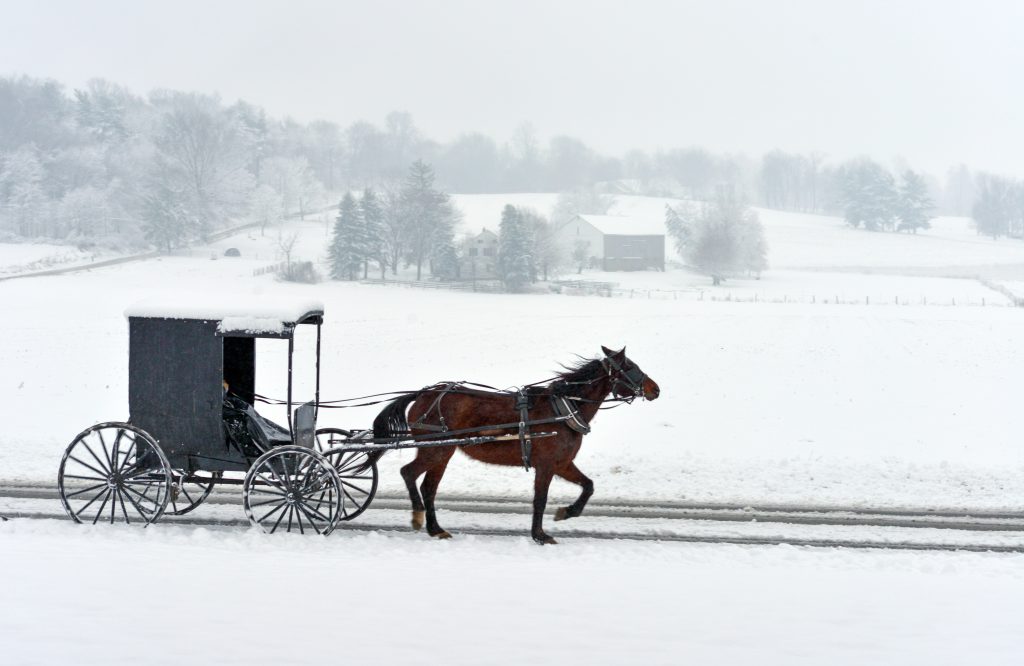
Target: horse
[[565, 406]]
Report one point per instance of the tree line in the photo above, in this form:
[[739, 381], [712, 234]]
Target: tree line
[[414, 225], [103, 164]]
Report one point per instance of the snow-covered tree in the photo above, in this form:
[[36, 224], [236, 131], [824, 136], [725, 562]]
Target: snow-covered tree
[[200, 151], [869, 194], [718, 239], [22, 200], [372, 213], [994, 205], [914, 205], [548, 253], [515, 258], [428, 217], [167, 221], [266, 207], [293, 178], [347, 243]]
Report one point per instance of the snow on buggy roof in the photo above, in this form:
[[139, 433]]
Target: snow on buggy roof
[[245, 315]]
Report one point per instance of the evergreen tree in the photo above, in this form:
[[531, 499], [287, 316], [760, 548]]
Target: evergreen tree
[[346, 251], [915, 205], [425, 210], [444, 260], [515, 261], [166, 222], [869, 196], [372, 214]]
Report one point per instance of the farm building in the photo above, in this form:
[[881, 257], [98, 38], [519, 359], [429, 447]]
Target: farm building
[[479, 256], [617, 243]]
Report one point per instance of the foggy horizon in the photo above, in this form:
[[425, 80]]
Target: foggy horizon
[[930, 84]]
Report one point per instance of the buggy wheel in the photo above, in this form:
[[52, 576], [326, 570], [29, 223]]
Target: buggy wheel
[[114, 465], [188, 491], [357, 473], [292, 488]]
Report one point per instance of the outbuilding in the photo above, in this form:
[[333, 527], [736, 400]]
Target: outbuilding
[[617, 243]]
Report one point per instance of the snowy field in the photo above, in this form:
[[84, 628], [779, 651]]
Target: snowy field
[[762, 401], [766, 402]]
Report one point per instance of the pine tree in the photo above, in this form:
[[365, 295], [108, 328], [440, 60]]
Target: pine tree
[[515, 261], [372, 214], [915, 205], [426, 211], [166, 221], [869, 196], [346, 251], [444, 260]]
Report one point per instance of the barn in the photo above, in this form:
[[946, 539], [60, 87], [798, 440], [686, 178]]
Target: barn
[[617, 243]]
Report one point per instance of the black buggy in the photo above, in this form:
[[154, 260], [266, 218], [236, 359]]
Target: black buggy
[[192, 425]]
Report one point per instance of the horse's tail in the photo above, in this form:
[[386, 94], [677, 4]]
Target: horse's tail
[[391, 423]]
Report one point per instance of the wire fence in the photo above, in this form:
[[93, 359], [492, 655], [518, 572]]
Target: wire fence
[[1002, 298]]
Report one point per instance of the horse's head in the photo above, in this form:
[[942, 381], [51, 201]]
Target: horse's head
[[628, 380]]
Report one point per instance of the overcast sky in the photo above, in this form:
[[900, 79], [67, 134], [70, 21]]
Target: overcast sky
[[934, 82]]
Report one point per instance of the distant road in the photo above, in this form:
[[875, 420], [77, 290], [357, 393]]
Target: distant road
[[219, 235]]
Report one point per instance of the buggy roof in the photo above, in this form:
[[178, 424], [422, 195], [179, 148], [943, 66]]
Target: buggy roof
[[247, 315]]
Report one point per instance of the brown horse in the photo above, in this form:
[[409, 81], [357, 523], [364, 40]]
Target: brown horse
[[578, 392]]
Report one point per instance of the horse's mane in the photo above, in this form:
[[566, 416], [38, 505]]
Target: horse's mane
[[582, 372]]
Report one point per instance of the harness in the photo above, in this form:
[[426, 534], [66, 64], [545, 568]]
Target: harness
[[566, 408]]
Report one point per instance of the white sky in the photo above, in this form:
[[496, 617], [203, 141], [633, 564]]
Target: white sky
[[935, 82]]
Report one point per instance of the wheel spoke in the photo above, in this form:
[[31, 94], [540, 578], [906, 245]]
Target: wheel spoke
[[310, 519], [128, 456], [85, 444], [85, 478], [298, 516], [90, 503], [85, 490], [272, 512], [265, 502], [120, 498], [84, 464], [142, 512], [263, 491], [315, 512], [103, 443], [349, 464], [355, 487], [144, 498], [102, 506]]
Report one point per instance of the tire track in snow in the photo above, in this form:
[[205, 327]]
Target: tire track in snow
[[681, 513]]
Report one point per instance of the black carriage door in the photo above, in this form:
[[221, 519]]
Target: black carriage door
[[176, 370]]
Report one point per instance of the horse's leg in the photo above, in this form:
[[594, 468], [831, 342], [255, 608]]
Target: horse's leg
[[570, 472], [429, 489], [410, 473], [541, 483]]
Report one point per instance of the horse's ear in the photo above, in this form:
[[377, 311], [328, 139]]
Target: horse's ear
[[607, 352]]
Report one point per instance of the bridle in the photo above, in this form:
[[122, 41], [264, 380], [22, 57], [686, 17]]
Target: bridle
[[632, 379]]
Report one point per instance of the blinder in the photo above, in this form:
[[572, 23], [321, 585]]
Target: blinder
[[633, 378]]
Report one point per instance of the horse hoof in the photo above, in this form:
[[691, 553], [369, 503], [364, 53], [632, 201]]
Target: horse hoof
[[544, 540], [418, 517], [442, 535], [562, 514]]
